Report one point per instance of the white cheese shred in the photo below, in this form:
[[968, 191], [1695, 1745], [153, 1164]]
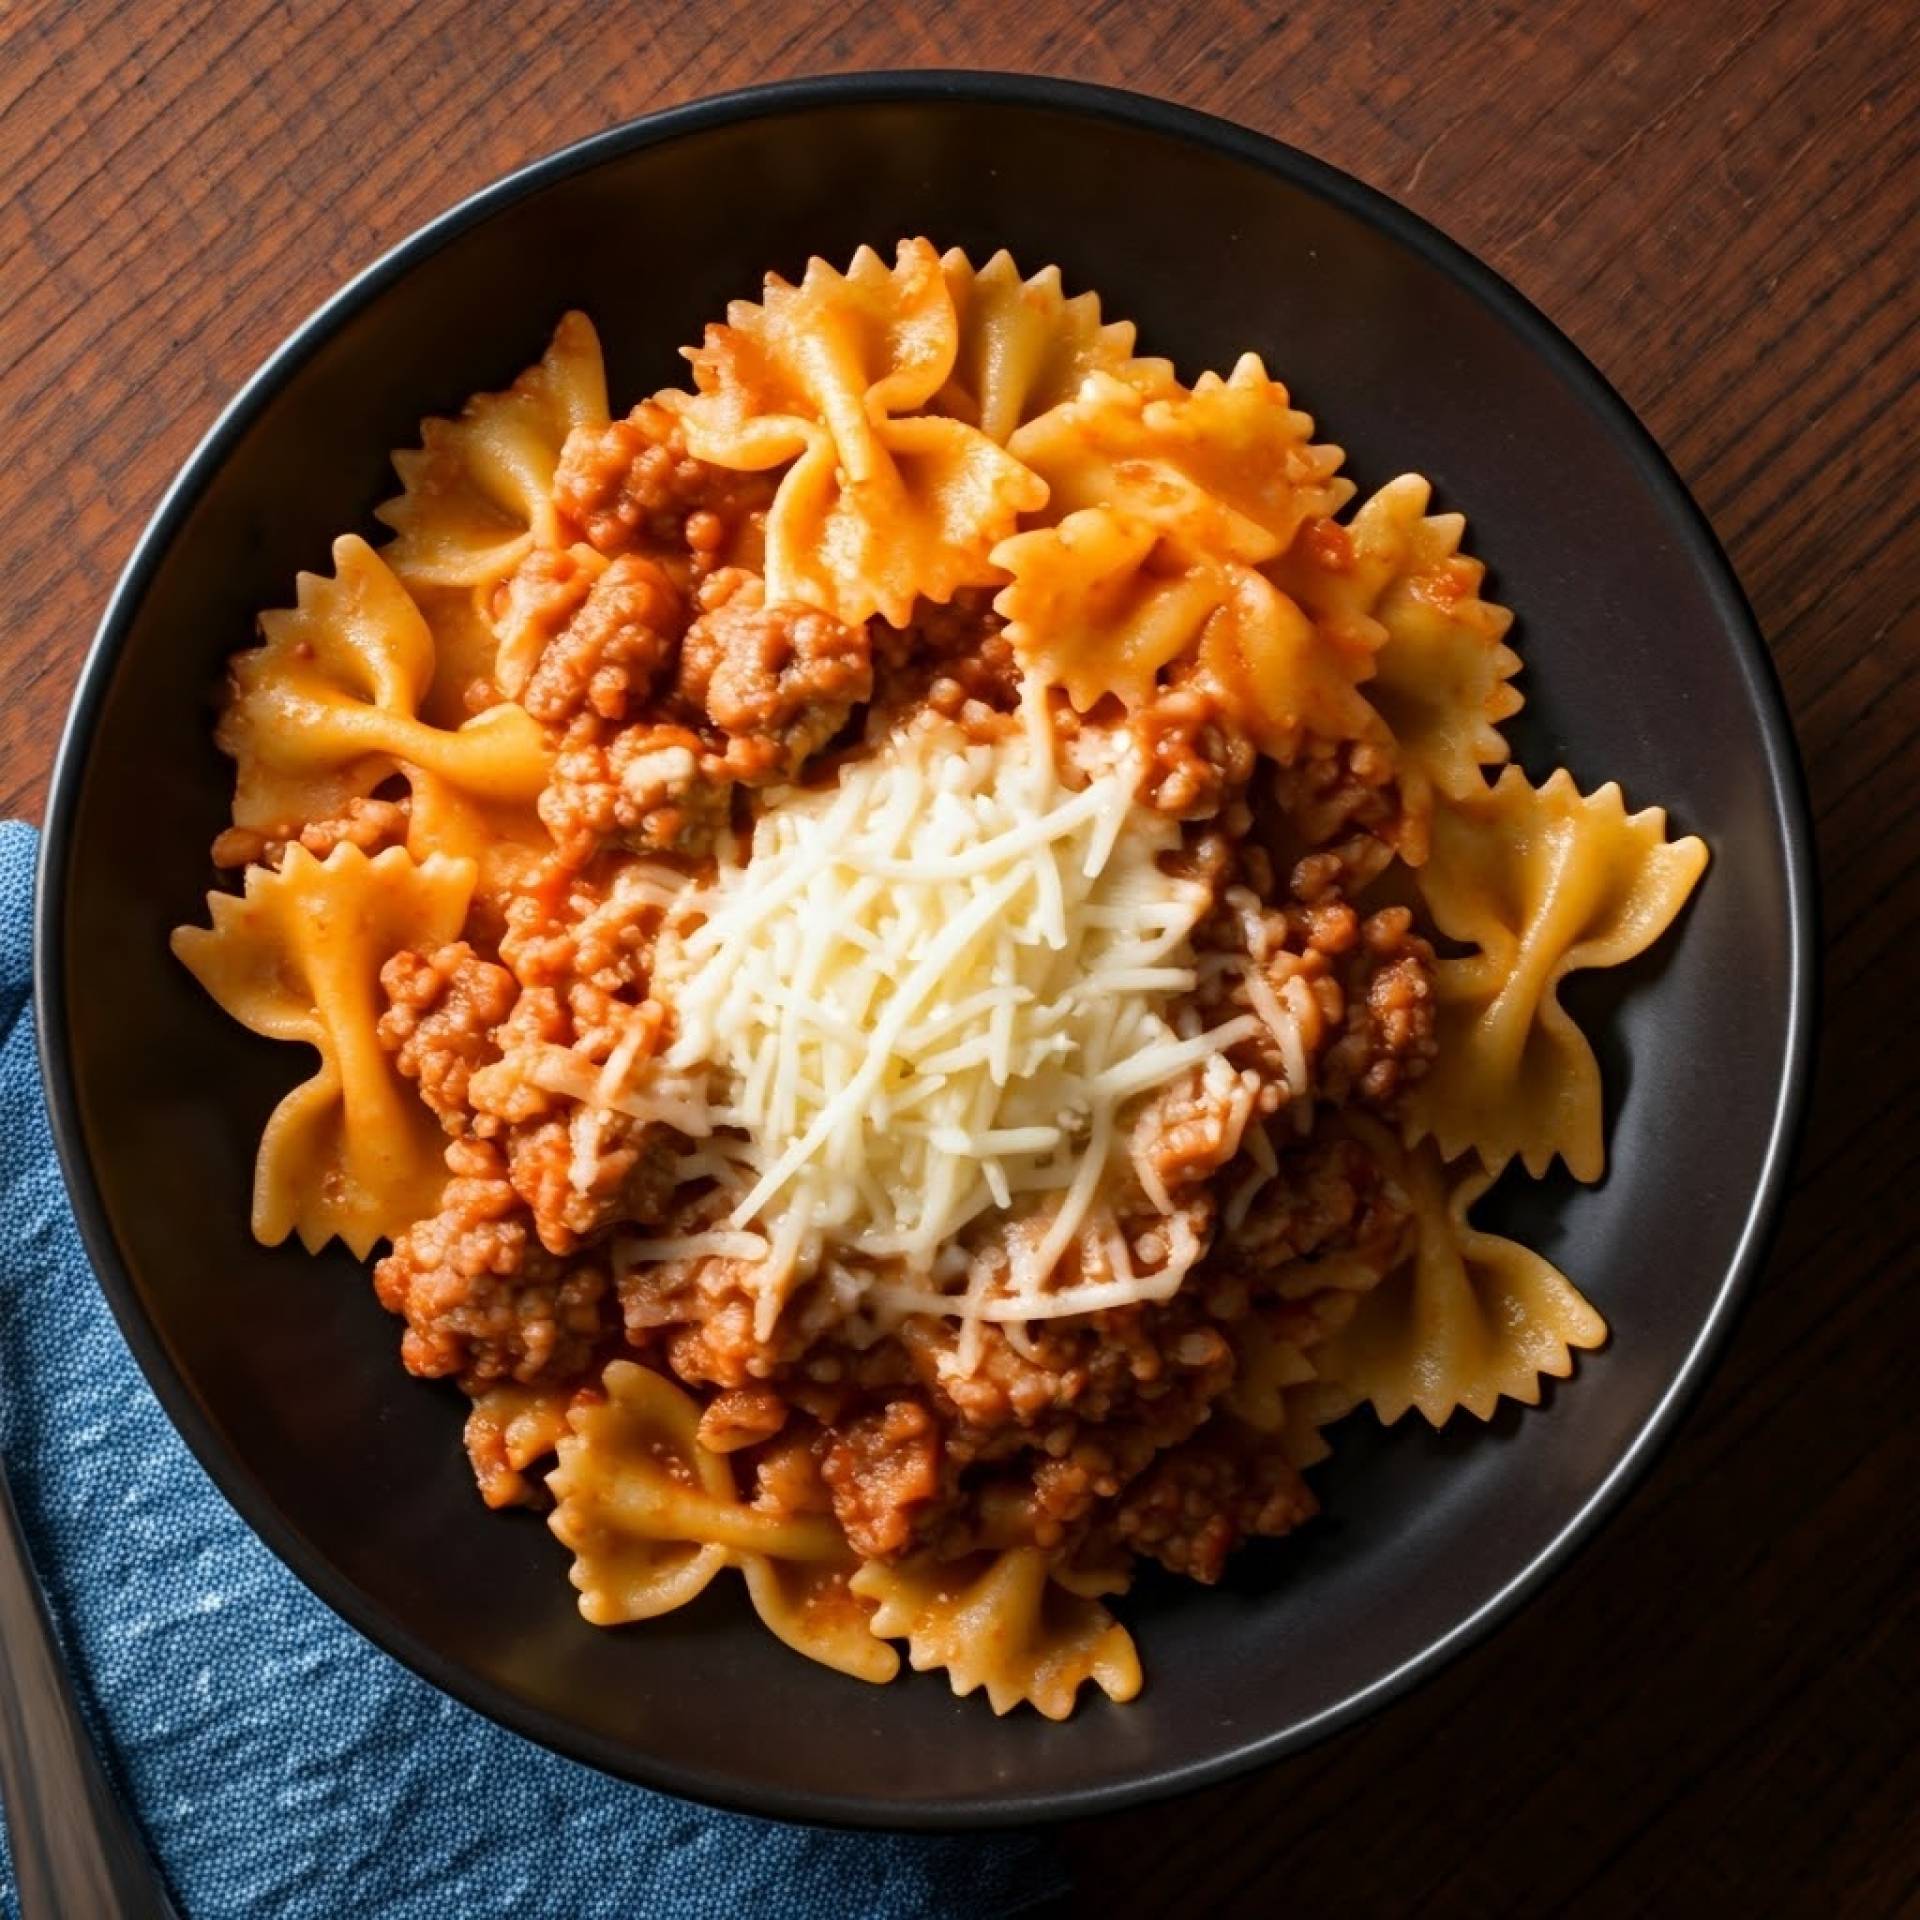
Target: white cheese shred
[[926, 994]]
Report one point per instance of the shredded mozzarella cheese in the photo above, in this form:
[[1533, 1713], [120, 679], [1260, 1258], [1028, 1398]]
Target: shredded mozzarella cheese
[[926, 993]]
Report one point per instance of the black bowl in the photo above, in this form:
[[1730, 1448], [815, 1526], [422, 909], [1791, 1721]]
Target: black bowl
[[1643, 665]]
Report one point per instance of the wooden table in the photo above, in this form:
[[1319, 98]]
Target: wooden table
[[1715, 1713]]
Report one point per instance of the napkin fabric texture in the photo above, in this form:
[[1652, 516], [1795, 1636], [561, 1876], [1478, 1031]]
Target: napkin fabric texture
[[281, 1766]]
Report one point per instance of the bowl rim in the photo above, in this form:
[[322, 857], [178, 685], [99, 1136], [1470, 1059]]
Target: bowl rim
[[825, 1805]]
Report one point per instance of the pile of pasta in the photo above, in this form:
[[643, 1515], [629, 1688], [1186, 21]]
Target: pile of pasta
[[933, 428]]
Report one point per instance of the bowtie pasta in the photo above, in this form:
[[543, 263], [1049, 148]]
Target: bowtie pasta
[[870, 932]]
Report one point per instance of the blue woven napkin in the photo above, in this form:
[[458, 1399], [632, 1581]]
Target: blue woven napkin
[[280, 1764]]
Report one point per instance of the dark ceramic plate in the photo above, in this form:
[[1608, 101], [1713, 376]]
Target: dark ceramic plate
[[1643, 665]]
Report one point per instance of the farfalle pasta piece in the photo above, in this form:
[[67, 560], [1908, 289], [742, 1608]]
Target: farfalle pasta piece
[[1278, 677], [1471, 1319], [1543, 881], [1023, 346], [876, 509], [1102, 603], [1393, 579], [327, 707], [651, 1515], [1084, 609], [1228, 471], [1442, 679], [811, 1606], [478, 491], [297, 957], [629, 1465], [509, 1428], [999, 1621]]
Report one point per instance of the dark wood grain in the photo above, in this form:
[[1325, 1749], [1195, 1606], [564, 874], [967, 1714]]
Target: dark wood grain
[[1718, 202]]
